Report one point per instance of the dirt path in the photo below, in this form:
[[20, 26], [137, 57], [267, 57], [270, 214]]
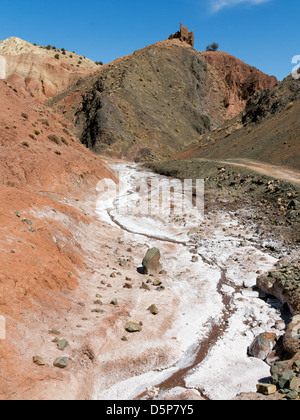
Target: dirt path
[[272, 171]]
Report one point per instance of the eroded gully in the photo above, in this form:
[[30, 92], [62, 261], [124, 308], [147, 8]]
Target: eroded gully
[[225, 247]]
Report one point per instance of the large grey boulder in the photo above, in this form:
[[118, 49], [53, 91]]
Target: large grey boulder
[[151, 262]]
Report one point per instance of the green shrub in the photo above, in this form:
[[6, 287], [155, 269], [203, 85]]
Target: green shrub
[[212, 47], [54, 138]]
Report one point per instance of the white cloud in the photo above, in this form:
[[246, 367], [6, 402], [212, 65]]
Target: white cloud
[[217, 5]]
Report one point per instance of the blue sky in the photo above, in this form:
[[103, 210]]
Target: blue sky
[[263, 33]]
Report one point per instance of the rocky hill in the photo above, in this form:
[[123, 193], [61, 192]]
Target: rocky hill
[[43, 71], [152, 103], [267, 130]]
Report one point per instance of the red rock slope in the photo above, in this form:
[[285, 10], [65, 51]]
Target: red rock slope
[[43, 170]]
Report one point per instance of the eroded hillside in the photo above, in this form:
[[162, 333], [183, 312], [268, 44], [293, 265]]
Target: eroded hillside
[[150, 104]]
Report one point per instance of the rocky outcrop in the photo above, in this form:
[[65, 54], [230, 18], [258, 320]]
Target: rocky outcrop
[[42, 71], [284, 284], [184, 35], [270, 122]]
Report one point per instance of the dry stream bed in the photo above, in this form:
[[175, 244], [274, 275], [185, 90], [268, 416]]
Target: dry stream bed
[[210, 310]]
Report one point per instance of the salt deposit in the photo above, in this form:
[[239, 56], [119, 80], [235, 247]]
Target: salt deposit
[[2, 67], [203, 288]]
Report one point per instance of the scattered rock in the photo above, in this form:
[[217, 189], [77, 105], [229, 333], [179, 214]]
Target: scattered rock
[[114, 302], [157, 283], [133, 327], [263, 345], [37, 360], [61, 362], [62, 344], [145, 286], [98, 302], [266, 389], [127, 285], [153, 309], [151, 262], [54, 332]]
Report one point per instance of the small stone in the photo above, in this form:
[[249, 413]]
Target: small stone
[[160, 288], [61, 362], [285, 379], [17, 214], [54, 332], [296, 364], [133, 327], [98, 302], [62, 344], [114, 302], [109, 285], [127, 286], [292, 395], [145, 286], [97, 311], [31, 229], [293, 385], [266, 389], [98, 296], [195, 258], [38, 361], [163, 272], [157, 283], [113, 275], [124, 338], [123, 263], [153, 309]]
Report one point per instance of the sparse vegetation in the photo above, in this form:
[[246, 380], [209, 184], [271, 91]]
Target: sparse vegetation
[[56, 56], [54, 138], [25, 116], [44, 121], [64, 141], [212, 47]]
